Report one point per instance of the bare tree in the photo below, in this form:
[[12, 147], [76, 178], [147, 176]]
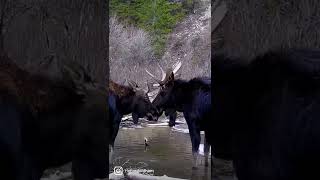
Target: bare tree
[[130, 52]]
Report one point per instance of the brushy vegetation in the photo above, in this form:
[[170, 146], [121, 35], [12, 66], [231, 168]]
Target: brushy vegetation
[[128, 44], [131, 48], [190, 42], [158, 17]]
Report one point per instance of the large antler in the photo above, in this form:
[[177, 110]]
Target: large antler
[[164, 75], [176, 67], [162, 72]]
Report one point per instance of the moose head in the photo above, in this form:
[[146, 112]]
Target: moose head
[[165, 98], [141, 103]]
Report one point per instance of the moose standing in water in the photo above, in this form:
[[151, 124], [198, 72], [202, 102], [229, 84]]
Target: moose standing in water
[[193, 98], [125, 100]]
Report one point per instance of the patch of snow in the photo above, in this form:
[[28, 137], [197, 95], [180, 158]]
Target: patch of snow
[[137, 126], [137, 176], [158, 124], [127, 128], [112, 176], [127, 117], [182, 130], [180, 121]]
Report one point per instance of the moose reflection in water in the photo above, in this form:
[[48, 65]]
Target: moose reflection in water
[[193, 98]]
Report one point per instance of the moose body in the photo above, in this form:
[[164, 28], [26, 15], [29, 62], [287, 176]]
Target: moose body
[[46, 123], [193, 98], [266, 114], [125, 100]]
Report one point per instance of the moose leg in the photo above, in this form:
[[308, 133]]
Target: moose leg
[[206, 150], [195, 139], [135, 118], [111, 146], [116, 125], [172, 118], [115, 130], [212, 166], [194, 132]]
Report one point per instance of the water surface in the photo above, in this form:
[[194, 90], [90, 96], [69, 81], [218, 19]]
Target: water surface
[[169, 152]]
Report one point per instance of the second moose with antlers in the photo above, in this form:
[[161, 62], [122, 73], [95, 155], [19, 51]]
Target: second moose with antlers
[[125, 100], [193, 98]]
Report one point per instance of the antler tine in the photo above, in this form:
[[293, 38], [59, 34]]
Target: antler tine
[[163, 74], [153, 76], [176, 67], [175, 64], [150, 73], [178, 75]]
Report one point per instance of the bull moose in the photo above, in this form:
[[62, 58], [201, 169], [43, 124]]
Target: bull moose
[[47, 122], [266, 114], [192, 97], [128, 99]]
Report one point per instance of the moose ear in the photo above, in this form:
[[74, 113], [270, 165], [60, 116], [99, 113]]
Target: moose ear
[[170, 80]]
